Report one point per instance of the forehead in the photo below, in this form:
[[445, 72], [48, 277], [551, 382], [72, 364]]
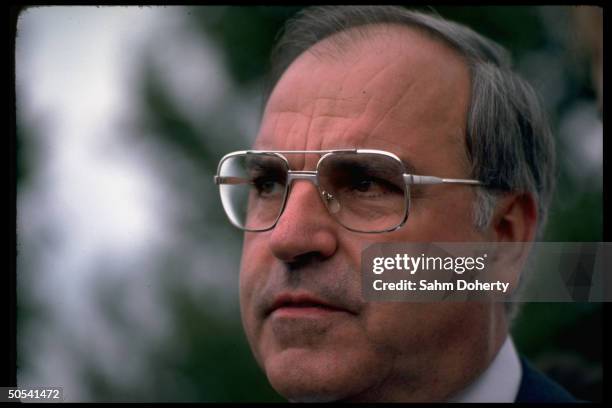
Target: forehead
[[391, 87]]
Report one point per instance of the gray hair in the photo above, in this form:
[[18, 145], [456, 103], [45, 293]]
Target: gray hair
[[508, 138]]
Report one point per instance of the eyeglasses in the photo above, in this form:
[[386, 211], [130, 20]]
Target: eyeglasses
[[364, 190]]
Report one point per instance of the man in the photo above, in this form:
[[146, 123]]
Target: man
[[426, 97]]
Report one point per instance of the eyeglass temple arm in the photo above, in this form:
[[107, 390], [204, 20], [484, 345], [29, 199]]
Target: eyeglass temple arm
[[414, 179]]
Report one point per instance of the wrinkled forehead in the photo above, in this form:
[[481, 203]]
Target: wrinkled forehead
[[371, 90], [388, 44]]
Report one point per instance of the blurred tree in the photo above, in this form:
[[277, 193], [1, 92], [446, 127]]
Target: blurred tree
[[245, 34], [587, 26]]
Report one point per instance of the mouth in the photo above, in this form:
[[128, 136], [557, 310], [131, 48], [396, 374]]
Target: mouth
[[302, 305]]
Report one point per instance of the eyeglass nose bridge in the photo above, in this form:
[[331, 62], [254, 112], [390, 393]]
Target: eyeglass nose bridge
[[331, 203], [310, 175]]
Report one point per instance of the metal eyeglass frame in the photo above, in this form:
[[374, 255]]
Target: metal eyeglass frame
[[312, 175]]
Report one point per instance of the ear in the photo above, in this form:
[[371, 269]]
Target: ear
[[514, 227], [515, 218]]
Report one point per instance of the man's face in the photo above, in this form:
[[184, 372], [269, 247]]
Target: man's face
[[400, 92]]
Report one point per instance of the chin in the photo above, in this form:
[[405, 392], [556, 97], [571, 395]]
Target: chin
[[303, 376]]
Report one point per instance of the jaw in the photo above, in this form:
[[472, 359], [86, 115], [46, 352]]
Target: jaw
[[389, 363], [307, 375]]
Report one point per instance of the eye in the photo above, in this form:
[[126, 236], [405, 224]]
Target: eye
[[370, 187], [268, 187], [364, 185]]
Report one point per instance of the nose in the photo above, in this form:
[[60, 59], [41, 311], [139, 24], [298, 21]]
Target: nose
[[305, 227]]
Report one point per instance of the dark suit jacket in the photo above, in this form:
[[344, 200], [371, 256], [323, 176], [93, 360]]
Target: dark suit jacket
[[536, 387]]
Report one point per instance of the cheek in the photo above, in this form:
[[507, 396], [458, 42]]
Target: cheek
[[417, 337], [253, 274], [399, 324], [442, 216]]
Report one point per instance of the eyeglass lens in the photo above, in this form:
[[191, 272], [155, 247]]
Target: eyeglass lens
[[363, 191]]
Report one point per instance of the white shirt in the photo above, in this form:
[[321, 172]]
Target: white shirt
[[501, 380]]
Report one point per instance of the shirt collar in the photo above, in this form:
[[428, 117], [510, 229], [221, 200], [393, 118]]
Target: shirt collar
[[501, 380]]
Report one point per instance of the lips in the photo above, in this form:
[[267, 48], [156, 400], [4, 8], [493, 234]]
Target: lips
[[302, 302]]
